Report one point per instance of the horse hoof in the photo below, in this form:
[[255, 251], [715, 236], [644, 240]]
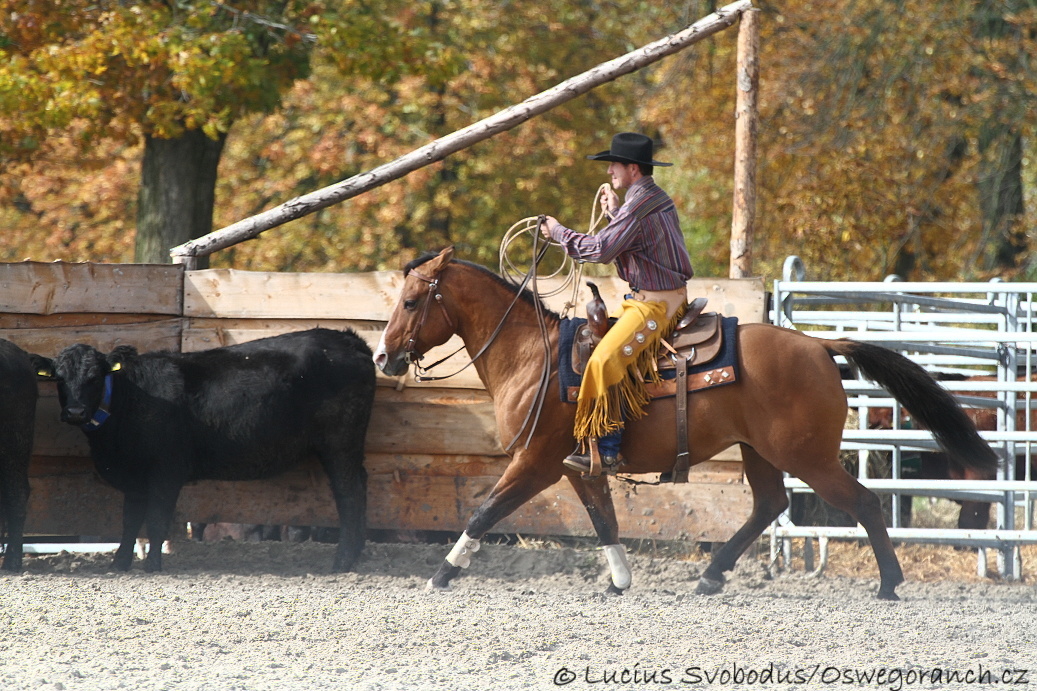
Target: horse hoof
[[890, 596], [708, 586], [431, 587], [613, 590]]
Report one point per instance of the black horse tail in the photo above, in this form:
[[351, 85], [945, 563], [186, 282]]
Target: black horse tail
[[928, 402]]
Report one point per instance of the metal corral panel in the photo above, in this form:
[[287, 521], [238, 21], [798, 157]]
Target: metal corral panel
[[979, 340]]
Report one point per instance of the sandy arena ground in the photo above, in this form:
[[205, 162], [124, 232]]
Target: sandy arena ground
[[270, 615]]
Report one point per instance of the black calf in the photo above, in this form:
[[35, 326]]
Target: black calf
[[17, 420], [156, 421]]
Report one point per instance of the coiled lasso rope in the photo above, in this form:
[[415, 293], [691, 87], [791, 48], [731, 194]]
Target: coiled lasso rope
[[572, 270]]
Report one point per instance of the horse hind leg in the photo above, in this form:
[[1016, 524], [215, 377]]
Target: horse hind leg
[[974, 515], [840, 489], [769, 500]]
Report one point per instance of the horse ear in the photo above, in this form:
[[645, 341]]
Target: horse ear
[[436, 264]]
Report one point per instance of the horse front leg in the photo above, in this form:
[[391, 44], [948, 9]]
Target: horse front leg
[[597, 499], [520, 483]]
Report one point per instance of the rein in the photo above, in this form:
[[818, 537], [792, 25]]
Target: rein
[[536, 407], [545, 371], [434, 294]]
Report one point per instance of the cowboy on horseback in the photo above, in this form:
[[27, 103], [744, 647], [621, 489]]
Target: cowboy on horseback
[[645, 241]]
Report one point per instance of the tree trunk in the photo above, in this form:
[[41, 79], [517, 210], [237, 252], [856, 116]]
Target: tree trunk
[[1000, 182], [1000, 187], [177, 194]]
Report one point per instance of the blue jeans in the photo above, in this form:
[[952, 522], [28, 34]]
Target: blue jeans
[[609, 444]]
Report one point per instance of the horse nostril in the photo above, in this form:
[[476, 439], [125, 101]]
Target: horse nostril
[[75, 412], [394, 366]]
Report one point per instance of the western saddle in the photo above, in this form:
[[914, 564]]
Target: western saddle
[[696, 340]]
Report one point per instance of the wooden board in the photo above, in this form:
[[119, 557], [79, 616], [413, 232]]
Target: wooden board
[[201, 334], [695, 511], [57, 287], [148, 333], [206, 333], [66, 497], [413, 421], [433, 452], [433, 421], [66, 492], [744, 298], [226, 293], [258, 295], [726, 468], [13, 321]]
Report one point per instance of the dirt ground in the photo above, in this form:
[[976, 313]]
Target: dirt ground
[[271, 615]]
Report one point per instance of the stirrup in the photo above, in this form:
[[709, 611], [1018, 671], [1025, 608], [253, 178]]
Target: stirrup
[[589, 463]]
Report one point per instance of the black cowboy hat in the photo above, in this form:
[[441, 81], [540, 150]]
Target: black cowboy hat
[[629, 147]]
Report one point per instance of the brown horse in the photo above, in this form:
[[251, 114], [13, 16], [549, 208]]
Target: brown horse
[[786, 410]]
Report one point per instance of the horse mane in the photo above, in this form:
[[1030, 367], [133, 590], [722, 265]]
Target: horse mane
[[526, 295]]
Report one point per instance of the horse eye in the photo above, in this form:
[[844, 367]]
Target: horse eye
[[409, 304]]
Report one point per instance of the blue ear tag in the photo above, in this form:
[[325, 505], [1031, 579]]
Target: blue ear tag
[[101, 414]]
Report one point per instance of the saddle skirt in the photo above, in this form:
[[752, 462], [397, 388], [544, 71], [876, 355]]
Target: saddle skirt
[[707, 341]]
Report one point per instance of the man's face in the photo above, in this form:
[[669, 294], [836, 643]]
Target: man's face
[[623, 174]]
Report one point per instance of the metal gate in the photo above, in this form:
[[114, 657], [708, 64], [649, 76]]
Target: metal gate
[[954, 330]]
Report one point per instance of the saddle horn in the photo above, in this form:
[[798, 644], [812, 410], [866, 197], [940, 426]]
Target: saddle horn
[[597, 314]]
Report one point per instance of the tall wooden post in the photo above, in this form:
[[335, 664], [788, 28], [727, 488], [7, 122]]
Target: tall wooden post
[[743, 217]]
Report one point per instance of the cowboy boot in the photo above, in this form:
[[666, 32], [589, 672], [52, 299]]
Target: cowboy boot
[[592, 462]]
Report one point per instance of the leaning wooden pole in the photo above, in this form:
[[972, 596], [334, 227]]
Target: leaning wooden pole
[[441, 148], [743, 218]]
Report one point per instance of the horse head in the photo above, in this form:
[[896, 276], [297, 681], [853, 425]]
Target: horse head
[[419, 321]]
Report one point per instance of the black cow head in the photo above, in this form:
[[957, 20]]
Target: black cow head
[[80, 371]]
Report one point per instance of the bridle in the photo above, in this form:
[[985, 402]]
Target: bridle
[[410, 352], [434, 294]]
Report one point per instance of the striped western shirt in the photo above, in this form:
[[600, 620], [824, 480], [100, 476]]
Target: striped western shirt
[[644, 239]]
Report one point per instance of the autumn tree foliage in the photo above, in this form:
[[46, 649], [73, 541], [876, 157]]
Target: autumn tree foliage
[[333, 128], [892, 137], [926, 129], [174, 77], [895, 137]]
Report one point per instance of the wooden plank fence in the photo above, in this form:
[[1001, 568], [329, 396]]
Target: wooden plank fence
[[432, 449]]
